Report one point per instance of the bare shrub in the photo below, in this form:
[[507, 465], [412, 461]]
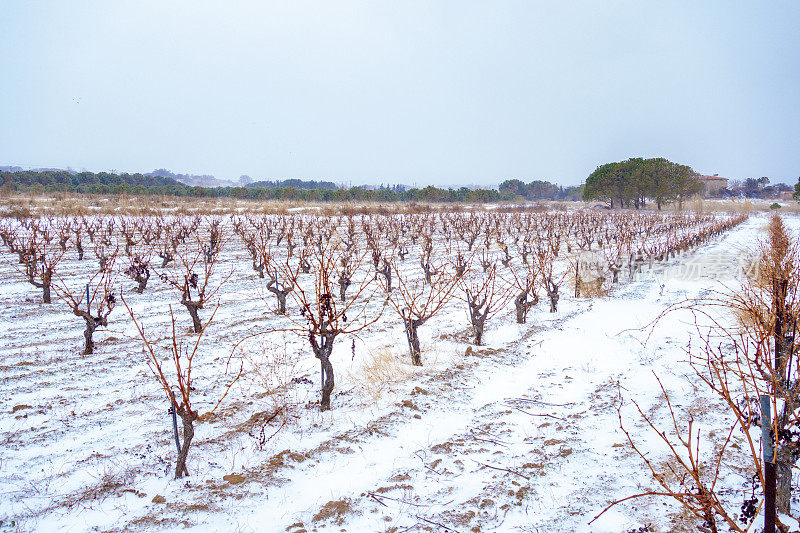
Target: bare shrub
[[485, 295], [192, 274], [417, 300], [178, 375], [322, 318], [98, 297]]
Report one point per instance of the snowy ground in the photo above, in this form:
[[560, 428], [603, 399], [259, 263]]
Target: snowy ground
[[521, 434]]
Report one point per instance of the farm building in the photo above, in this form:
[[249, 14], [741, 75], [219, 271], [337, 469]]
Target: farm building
[[713, 184]]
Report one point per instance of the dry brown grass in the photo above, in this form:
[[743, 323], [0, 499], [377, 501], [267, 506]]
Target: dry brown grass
[[595, 288], [776, 257], [592, 280], [334, 511], [747, 205], [379, 371], [60, 204], [69, 204], [109, 483], [702, 206]]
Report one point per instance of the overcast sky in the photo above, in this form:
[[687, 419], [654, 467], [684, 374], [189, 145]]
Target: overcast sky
[[415, 92]]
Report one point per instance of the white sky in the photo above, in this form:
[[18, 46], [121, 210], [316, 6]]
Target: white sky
[[415, 92]]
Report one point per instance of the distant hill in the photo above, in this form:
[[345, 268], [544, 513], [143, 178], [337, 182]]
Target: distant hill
[[43, 169], [195, 180]]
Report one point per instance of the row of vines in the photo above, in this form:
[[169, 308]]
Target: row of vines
[[333, 277]]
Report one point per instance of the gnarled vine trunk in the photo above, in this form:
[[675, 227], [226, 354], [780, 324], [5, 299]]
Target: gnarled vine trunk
[[411, 326], [552, 292], [193, 307], [91, 326], [522, 305], [478, 312], [44, 285], [322, 350], [188, 418], [92, 323]]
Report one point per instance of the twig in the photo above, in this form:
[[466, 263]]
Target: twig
[[533, 414], [376, 496], [504, 470], [528, 400], [434, 523]]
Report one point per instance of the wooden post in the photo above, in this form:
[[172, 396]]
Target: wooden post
[[770, 471], [175, 428], [783, 461]]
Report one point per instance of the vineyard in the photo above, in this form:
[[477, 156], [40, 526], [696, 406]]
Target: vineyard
[[448, 371]]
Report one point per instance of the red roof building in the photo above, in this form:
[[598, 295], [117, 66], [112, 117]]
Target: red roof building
[[713, 184]]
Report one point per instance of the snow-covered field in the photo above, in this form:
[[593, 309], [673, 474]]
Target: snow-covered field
[[519, 434]]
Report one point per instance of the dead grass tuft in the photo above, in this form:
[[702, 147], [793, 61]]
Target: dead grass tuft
[[108, 484], [703, 206], [381, 369], [335, 511], [592, 286]]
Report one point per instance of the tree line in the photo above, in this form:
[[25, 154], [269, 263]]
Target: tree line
[[293, 182], [630, 183], [148, 184], [540, 190], [624, 184]]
